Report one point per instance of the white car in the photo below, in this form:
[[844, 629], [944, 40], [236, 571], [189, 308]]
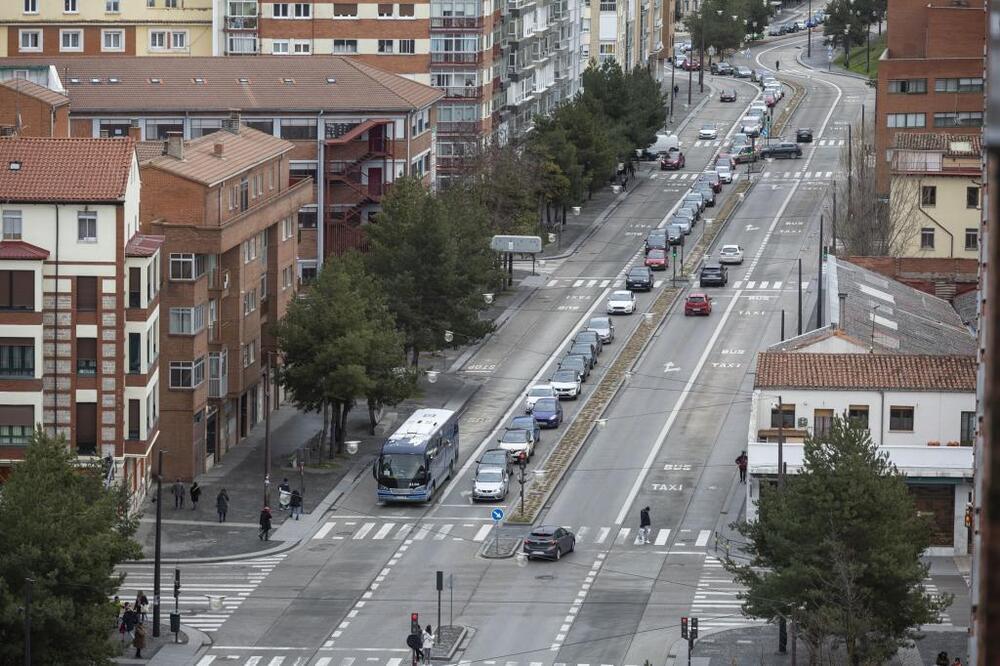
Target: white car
[[518, 443], [725, 173], [566, 383], [621, 302], [708, 132], [535, 392], [731, 254]]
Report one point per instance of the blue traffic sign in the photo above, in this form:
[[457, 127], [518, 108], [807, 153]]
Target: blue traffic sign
[[497, 514]]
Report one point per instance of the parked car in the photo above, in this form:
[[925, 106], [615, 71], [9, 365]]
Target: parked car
[[706, 190], [742, 73], [604, 327], [672, 161], [747, 153], [689, 211], [712, 178], [518, 442], [576, 363], [584, 350], [549, 541], [724, 172], [725, 159], [566, 384], [656, 260], [721, 68], [775, 30], [713, 275], [675, 234], [690, 65], [621, 302], [803, 135], [656, 240], [728, 94], [526, 422], [784, 149], [534, 393], [490, 483], [590, 337], [495, 458], [697, 304], [639, 278], [770, 99], [731, 254], [548, 413], [695, 198], [682, 220], [708, 131]]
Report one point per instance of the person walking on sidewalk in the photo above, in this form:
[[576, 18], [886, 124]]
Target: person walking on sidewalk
[[265, 524], [140, 639], [741, 463], [178, 491], [195, 495], [644, 524], [296, 504], [942, 659], [141, 605], [222, 504], [130, 619], [427, 641]]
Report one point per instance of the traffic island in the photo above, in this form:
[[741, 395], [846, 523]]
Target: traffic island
[[446, 642], [501, 548]]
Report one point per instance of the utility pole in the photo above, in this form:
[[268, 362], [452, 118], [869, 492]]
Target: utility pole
[[782, 629], [833, 222], [28, 583], [800, 297], [156, 548], [819, 278], [782, 324], [809, 37], [267, 429], [690, 81], [701, 62], [673, 68], [850, 168]]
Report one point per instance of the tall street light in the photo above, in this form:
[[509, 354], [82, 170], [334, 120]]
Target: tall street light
[[809, 31], [847, 46]]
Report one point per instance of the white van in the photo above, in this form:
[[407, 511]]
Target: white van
[[664, 143]]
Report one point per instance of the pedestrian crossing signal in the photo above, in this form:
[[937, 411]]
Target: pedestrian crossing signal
[[684, 627], [694, 628], [414, 623]]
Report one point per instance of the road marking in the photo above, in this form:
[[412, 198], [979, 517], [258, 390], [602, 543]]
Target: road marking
[[673, 176], [553, 283], [622, 535], [395, 661], [661, 537], [763, 285], [605, 283], [383, 531], [602, 535], [483, 531], [591, 283], [442, 532], [422, 533], [738, 284], [777, 285], [323, 531], [206, 660], [365, 529], [750, 285], [403, 531], [702, 539], [578, 283]]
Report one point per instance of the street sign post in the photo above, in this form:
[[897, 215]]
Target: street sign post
[[497, 515]]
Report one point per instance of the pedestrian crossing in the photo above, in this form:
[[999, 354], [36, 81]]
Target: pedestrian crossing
[[767, 285], [716, 601], [210, 592], [363, 659], [707, 143], [799, 175], [588, 283], [831, 142]]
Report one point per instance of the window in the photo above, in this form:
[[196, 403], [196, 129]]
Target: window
[[133, 418], [927, 238], [178, 39], [86, 226], [185, 266], [17, 423], [858, 415], [345, 46], [112, 6], [345, 10], [385, 46], [307, 218], [421, 123], [972, 197], [308, 273], [170, 4], [971, 238], [785, 418], [968, 428], [263, 287], [70, 40], [407, 46], [959, 119], [281, 10], [265, 125], [900, 419], [157, 39], [86, 428], [187, 374], [69, 6], [302, 128], [586, 25], [249, 353], [249, 301], [385, 10], [203, 126], [406, 10], [249, 250], [286, 229], [905, 120], [280, 47], [301, 47], [30, 40], [928, 195], [187, 321], [150, 3], [17, 290], [244, 194], [963, 85], [135, 353], [112, 40], [286, 277], [17, 357], [822, 422], [302, 10], [86, 357], [12, 225], [608, 5], [86, 293], [30, 6], [908, 86]]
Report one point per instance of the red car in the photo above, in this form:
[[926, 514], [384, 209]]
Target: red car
[[770, 100], [690, 65], [672, 161], [697, 304], [656, 260]]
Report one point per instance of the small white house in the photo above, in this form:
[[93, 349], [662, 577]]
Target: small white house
[[919, 408]]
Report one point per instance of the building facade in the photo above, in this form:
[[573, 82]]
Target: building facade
[[629, 31], [930, 77], [227, 210], [79, 304], [934, 192]]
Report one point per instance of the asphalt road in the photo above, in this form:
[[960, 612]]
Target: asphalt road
[[672, 434]]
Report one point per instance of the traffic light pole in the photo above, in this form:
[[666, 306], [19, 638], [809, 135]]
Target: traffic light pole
[[156, 547]]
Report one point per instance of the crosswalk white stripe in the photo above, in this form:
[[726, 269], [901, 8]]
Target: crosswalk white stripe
[[403, 531], [622, 535], [581, 532], [788, 174], [206, 660], [253, 661], [702, 539], [384, 531], [829, 174], [591, 283], [276, 661], [763, 285], [325, 661], [657, 284], [578, 283], [422, 533], [809, 174], [717, 144], [737, 284], [605, 283], [841, 142], [805, 285], [443, 531], [777, 285], [553, 283], [673, 177], [751, 284], [363, 532], [661, 537], [395, 661], [483, 531], [602, 535], [323, 531]]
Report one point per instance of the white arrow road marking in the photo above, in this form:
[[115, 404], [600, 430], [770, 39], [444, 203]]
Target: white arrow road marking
[[670, 367]]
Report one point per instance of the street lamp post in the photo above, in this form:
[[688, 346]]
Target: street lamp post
[[847, 47], [673, 68], [156, 546], [267, 429], [809, 31]]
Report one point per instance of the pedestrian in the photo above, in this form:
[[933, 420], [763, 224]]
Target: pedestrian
[[141, 605], [130, 619], [677, 89], [427, 642], [624, 183], [631, 169], [222, 504], [942, 659], [265, 524], [741, 463], [957, 662], [195, 495], [284, 495], [296, 504], [118, 611], [140, 640], [178, 491], [644, 523]]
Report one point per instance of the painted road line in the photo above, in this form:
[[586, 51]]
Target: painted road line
[[602, 535], [363, 532], [323, 531], [702, 539], [442, 532], [483, 531], [383, 531], [622, 535], [661, 537]]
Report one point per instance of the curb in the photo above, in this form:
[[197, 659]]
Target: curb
[[840, 71], [285, 546], [484, 552], [182, 653], [454, 647]]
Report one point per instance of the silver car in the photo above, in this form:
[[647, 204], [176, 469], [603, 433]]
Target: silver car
[[604, 328], [491, 483]]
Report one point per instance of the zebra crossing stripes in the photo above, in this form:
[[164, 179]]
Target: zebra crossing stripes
[[808, 175], [586, 283], [707, 143], [365, 658], [766, 285], [716, 601], [831, 142]]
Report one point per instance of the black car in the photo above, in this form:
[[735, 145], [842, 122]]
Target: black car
[[549, 541], [675, 235], [722, 68], [727, 96], [705, 189], [639, 278], [804, 135], [782, 150], [586, 351], [576, 363], [656, 240], [713, 275]]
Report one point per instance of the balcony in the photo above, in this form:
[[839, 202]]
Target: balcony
[[457, 22], [457, 57], [457, 127], [515, 7], [241, 23], [912, 461], [463, 92]]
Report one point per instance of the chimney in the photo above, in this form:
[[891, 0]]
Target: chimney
[[841, 314], [219, 147], [175, 144], [232, 123], [133, 130]]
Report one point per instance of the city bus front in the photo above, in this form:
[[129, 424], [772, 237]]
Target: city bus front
[[402, 477]]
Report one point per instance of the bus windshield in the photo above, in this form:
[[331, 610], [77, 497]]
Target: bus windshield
[[398, 470]]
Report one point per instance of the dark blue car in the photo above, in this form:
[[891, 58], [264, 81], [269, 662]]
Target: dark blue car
[[548, 413], [525, 423]]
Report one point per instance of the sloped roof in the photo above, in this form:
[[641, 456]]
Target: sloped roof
[[19, 250], [148, 150], [32, 89], [953, 145], [64, 169], [902, 372], [239, 152], [218, 84], [143, 245]]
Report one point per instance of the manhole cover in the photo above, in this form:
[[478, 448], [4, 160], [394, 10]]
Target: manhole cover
[[545, 577]]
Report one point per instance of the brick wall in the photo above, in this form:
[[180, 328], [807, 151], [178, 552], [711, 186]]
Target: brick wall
[[36, 115]]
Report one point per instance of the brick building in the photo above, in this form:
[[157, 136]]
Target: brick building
[[226, 207], [930, 77], [79, 303], [32, 109]]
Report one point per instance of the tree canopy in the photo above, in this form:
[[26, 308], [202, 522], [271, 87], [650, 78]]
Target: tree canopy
[[838, 550]]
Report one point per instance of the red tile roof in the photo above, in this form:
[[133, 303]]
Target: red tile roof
[[240, 151], [64, 169], [143, 245], [953, 145], [32, 89], [19, 250], [903, 372]]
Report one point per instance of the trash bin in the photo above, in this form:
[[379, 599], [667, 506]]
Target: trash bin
[[175, 623]]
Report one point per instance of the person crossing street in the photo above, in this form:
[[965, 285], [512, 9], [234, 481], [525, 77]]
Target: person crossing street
[[644, 525]]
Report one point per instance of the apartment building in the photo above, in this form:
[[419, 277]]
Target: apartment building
[[930, 77], [29, 109], [226, 207], [109, 27], [629, 31], [79, 304], [934, 192], [354, 128]]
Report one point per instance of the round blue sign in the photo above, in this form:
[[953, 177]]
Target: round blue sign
[[497, 514]]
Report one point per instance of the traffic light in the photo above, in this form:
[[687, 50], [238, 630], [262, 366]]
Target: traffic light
[[414, 623], [177, 582], [684, 627], [694, 628]]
